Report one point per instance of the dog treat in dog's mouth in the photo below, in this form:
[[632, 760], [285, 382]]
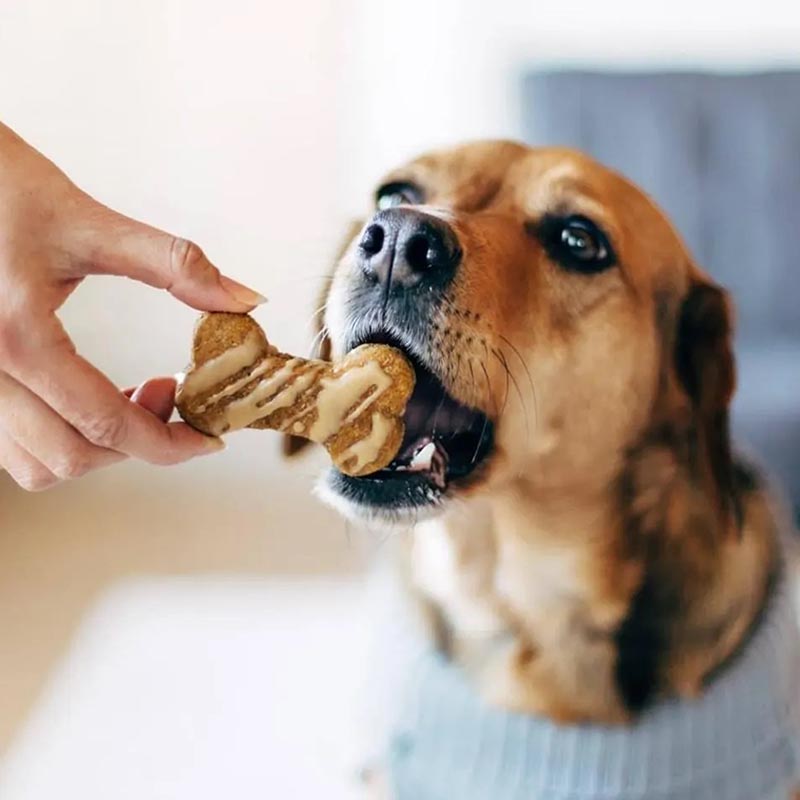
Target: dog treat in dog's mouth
[[354, 408]]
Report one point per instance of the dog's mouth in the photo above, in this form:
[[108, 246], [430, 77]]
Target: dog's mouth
[[446, 444], [445, 440]]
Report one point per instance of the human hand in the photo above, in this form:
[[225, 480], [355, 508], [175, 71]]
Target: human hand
[[60, 417]]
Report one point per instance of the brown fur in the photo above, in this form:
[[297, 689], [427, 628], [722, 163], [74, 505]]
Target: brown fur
[[620, 549]]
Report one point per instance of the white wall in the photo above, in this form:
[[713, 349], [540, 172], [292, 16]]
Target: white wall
[[426, 72], [216, 121]]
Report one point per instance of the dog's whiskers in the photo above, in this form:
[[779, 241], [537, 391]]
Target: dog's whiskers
[[321, 310], [458, 369], [527, 373], [438, 410], [498, 354], [485, 418], [507, 371], [489, 391], [472, 375], [497, 409], [316, 342]]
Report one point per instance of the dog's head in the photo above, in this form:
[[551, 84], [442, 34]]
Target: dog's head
[[554, 318]]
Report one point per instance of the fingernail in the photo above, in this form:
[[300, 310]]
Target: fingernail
[[214, 444], [240, 293]]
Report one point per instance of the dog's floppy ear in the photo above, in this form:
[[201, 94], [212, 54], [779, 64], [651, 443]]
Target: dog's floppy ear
[[322, 349], [705, 367]]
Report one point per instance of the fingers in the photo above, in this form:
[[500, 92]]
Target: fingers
[[29, 473], [45, 440], [39, 449], [116, 245], [90, 403], [85, 399], [157, 395]]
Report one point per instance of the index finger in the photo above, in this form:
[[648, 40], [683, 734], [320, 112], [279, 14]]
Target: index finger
[[112, 244]]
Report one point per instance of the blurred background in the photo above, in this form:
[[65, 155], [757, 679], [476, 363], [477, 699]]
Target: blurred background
[[195, 632]]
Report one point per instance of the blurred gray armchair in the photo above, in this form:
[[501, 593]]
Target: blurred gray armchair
[[721, 154]]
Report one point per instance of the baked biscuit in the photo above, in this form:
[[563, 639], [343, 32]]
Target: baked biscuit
[[354, 408]]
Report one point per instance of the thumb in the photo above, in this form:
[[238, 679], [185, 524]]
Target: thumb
[[117, 245]]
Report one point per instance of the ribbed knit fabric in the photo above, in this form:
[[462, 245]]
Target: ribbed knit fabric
[[739, 741]]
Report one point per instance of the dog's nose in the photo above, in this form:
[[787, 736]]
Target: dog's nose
[[403, 247]]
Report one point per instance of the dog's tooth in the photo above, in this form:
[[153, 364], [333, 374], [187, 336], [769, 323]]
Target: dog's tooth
[[423, 458]]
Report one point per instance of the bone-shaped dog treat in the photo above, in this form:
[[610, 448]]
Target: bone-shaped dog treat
[[237, 379]]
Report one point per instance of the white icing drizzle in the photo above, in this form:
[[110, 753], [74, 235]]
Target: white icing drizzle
[[288, 396], [232, 388], [272, 393], [366, 450], [228, 363], [279, 382], [341, 391]]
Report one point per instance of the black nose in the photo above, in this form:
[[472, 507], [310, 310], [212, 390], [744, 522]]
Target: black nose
[[403, 247]]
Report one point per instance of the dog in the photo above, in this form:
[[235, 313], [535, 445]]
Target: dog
[[586, 543]]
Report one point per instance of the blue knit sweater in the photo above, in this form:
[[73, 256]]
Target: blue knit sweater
[[739, 741]]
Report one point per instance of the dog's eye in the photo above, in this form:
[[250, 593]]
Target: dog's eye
[[396, 194], [576, 243]]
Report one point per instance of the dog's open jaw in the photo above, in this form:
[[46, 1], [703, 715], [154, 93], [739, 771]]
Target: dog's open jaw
[[446, 446]]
